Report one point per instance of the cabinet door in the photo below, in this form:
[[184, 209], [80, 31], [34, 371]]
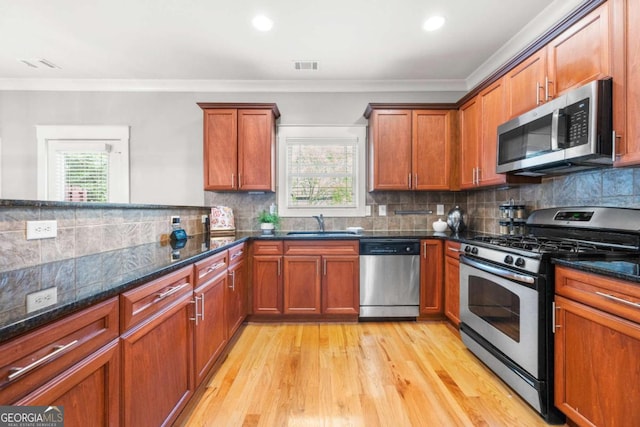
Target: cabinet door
[[89, 391], [210, 331], [390, 154], [157, 374], [492, 115], [525, 84], [256, 150], [581, 53], [236, 296], [340, 284], [469, 143], [431, 139], [431, 264], [220, 149], [267, 284], [626, 81], [452, 289], [597, 381], [302, 285]]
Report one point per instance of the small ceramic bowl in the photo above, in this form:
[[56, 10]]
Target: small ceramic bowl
[[439, 225]]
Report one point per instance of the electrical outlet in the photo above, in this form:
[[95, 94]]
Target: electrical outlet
[[175, 221], [367, 210], [41, 229], [439, 209], [382, 210], [42, 299]]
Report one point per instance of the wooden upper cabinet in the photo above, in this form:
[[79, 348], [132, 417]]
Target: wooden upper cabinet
[[469, 142], [411, 148], [390, 150], [432, 158], [581, 53], [626, 81], [493, 115], [525, 84], [239, 146]]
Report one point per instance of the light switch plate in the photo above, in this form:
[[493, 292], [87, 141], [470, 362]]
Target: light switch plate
[[41, 229], [382, 210], [367, 210], [439, 209], [42, 299]]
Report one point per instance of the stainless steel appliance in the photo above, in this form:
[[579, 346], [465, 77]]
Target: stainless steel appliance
[[507, 289], [389, 278], [569, 133]]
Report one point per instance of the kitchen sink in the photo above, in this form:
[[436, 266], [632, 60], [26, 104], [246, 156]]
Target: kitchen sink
[[321, 233]]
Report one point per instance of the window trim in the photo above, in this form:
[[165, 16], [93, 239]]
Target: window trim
[[359, 132], [117, 136]]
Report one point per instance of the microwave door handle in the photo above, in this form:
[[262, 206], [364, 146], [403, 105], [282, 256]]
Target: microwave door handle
[[555, 119]]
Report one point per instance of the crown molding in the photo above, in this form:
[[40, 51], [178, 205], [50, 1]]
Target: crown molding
[[115, 85]]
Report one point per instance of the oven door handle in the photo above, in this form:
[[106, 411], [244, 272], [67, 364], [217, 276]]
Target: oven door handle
[[522, 278]]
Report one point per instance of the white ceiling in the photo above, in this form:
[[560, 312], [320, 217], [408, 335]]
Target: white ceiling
[[379, 43]]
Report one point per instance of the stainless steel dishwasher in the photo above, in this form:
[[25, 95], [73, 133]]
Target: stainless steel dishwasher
[[389, 277]]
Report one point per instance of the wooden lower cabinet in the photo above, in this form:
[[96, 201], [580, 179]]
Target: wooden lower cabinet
[[452, 282], [236, 292], [341, 284], [302, 283], [89, 391], [266, 277], [431, 265], [597, 343], [157, 353]]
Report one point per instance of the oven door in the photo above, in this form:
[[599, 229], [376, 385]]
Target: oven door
[[501, 306]]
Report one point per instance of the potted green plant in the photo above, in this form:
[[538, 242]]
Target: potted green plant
[[268, 222]]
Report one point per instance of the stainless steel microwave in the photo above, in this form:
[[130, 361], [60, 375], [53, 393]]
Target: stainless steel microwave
[[569, 133]]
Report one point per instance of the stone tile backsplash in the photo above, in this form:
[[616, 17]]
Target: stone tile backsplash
[[85, 231]]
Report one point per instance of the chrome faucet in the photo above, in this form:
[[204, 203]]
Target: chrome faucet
[[320, 220]]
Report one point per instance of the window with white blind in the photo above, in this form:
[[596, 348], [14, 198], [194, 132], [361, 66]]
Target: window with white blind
[[83, 163], [321, 170]]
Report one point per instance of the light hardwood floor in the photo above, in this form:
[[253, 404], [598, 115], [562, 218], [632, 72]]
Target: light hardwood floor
[[358, 374]]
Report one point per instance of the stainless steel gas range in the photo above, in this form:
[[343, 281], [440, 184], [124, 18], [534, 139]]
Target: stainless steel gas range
[[507, 291]]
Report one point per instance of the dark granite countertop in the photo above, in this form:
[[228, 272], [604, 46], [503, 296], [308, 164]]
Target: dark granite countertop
[[619, 267], [84, 281]]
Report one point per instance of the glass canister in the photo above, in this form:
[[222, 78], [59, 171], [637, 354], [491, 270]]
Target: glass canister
[[505, 227]]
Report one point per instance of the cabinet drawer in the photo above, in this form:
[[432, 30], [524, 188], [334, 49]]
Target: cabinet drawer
[[209, 268], [237, 253], [29, 361], [143, 302], [267, 247], [611, 295], [317, 247], [452, 249]]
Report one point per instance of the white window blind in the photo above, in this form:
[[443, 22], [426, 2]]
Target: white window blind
[[321, 170], [82, 176]]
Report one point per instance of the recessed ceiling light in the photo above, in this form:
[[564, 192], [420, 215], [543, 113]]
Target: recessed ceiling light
[[262, 23], [433, 23]]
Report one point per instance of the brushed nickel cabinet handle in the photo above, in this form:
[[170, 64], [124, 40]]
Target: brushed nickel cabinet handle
[[195, 309], [547, 82], [449, 248], [409, 181], [239, 180], [553, 317], [202, 306], [617, 299], [237, 254], [210, 269], [233, 280], [19, 371], [279, 266], [324, 268], [170, 292]]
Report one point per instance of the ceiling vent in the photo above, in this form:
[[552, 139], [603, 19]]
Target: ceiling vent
[[39, 63], [306, 65]]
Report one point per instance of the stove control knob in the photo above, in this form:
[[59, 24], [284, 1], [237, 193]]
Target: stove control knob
[[508, 259], [519, 262], [467, 249], [474, 250]]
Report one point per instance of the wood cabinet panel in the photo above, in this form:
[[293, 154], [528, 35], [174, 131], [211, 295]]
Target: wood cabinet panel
[[390, 150], [432, 156], [302, 286], [452, 282], [211, 267], [525, 84], [89, 391], [470, 142], [267, 247], [431, 275], [236, 296], [493, 115], [210, 329], [267, 284], [58, 346], [157, 374], [316, 247], [220, 149], [596, 381], [340, 284], [581, 53], [256, 150]]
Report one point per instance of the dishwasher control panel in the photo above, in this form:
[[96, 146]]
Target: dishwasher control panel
[[389, 247]]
